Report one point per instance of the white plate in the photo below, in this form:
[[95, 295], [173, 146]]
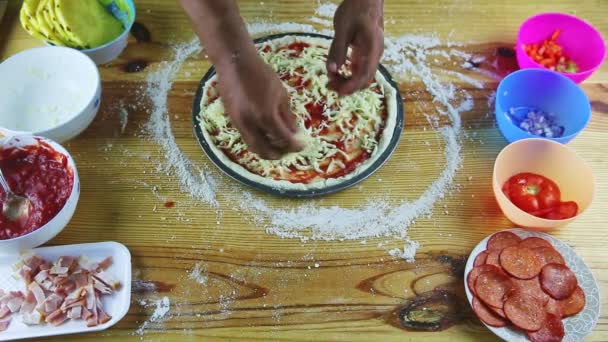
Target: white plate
[[116, 305], [576, 327]]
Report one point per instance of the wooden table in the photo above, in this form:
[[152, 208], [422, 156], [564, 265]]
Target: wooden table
[[261, 287]]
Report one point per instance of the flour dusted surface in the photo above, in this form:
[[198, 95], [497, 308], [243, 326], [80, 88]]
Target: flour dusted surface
[[407, 57]]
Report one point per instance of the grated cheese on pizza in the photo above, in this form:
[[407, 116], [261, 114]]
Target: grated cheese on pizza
[[339, 133]]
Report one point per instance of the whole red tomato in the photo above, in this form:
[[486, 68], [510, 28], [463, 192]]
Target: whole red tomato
[[531, 192]]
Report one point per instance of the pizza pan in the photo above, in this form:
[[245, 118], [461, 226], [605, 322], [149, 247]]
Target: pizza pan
[[205, 145]]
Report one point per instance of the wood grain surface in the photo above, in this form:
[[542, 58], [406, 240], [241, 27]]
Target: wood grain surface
[[261, 287]]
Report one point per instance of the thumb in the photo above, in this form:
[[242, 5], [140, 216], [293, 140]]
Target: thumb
[[337, 51]]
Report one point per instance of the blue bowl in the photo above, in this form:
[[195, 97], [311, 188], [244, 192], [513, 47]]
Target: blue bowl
[[545, 90]]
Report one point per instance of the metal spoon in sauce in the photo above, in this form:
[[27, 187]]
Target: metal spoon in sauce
[[14, 207]]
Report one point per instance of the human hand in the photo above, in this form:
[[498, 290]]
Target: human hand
[[360, 25], [258, 106]]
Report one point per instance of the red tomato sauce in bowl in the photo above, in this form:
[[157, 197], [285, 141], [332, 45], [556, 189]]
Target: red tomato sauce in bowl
[[41, 174]]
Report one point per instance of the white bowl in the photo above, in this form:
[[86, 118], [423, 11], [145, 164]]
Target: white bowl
[[57, 223], [52, 92]]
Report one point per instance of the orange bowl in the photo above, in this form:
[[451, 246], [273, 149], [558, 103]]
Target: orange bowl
[[553, 160]]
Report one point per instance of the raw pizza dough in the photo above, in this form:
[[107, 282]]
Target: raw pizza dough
[[352, 134]]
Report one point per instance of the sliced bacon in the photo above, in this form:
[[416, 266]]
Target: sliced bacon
[[68, 261], [48, 285], [102, 316], [86, 314], [105, 264], [57, 317], [75, 304], [4, 311], [32, 318], [107, 279], [38, 292], [45, 266], [75, 312], [29, 303], [33, 262], [59, 270], [101, 287], [60, 279], [70, 288], [52, 303], [26, 274], [41, 276], [90, 298], [81, 280], [14, 304], [5, 324]]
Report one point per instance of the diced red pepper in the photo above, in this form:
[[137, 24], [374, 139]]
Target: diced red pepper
[[550, 54]]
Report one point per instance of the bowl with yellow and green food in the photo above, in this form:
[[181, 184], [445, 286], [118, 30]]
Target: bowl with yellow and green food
[[98, 28]]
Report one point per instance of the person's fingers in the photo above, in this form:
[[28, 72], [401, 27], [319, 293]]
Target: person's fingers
[[364, 65], [338, 50], [287, 122], [257, 141], [288, 117], [279, 135]]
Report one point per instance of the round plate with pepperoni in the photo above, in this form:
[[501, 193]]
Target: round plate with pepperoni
[[546, 291]]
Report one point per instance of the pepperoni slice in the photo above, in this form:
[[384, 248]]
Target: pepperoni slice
[[502, 240], [524, 311], [476, 271], [499, 312], [492, 286], [573, 304], [558, 281], [480, 259], [535, 242], [530, 287], [486, 315], [554, 307], [549, 255], [520, 262], [552, 331], [493, 258]]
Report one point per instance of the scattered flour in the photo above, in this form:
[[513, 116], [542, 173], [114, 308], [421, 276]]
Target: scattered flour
[[408, 253], [326, 10], [162, 308], [408, 58], [192, 179], [320, 21], [124, 117], [199, 274]]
